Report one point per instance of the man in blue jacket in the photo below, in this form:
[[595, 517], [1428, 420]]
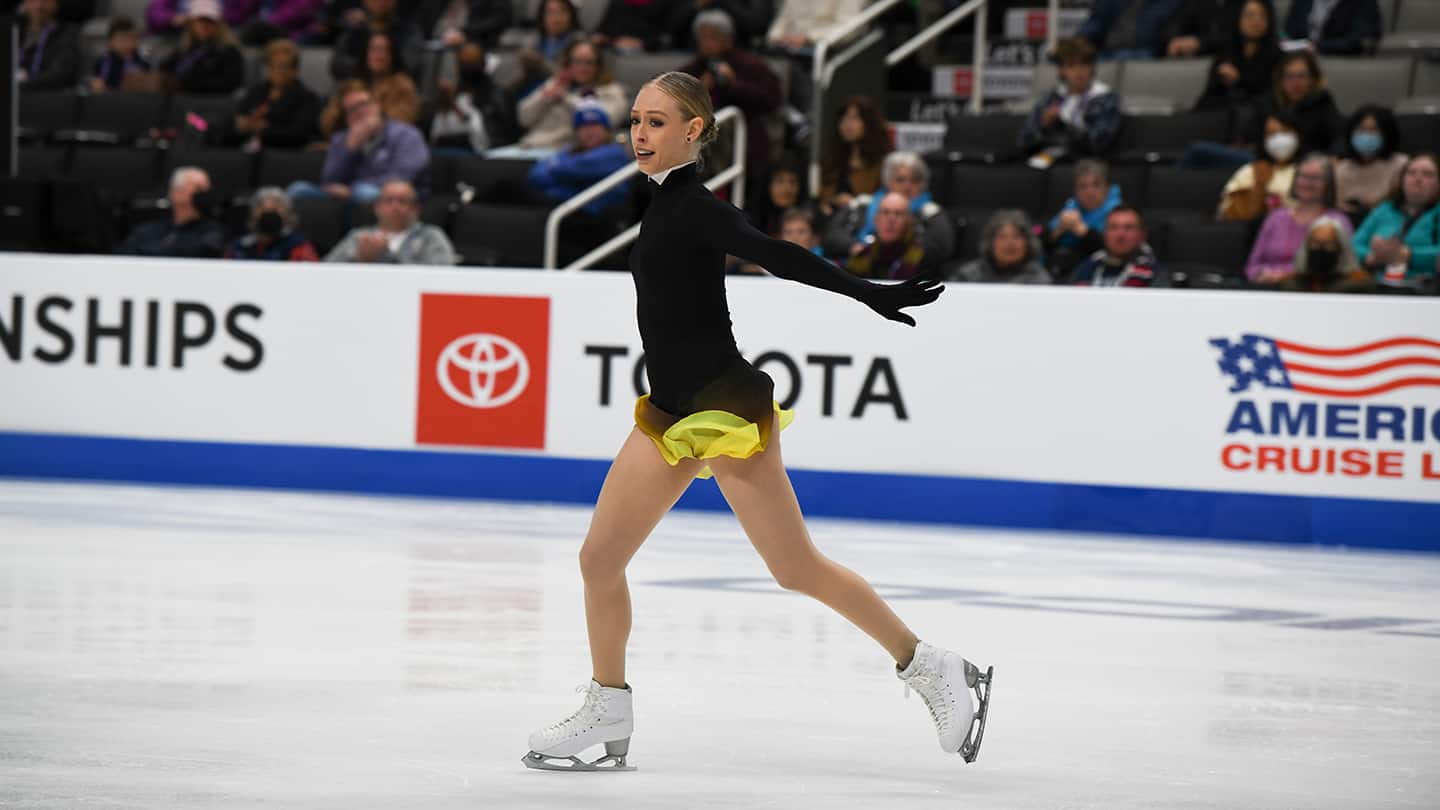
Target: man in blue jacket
[[594, 156]]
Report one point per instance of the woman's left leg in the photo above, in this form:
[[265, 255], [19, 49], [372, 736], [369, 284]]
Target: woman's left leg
[[759, 492]]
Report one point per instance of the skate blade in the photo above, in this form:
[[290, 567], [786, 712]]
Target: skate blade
[[970, 749], [540, 762]]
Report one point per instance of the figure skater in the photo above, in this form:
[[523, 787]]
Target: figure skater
[[709, 411]]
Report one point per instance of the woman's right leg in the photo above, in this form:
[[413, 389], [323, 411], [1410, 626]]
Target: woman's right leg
[[639, 489]]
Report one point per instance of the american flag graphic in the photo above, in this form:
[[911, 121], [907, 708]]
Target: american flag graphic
[[1361, 370]]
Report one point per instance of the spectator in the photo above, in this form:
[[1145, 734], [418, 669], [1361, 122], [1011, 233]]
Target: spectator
[[785, 191], [633, 25], [797, 226], [1400, 240], [49, 48], [455, 22], [1104, 14], [736, 77], [399, 237], [1009, 253], [209, 59], [1326, 261], [1199, 28], [272, 236], [1080, 117], [905, 172], [390, 84], [1245, 63], [167, 17], [801, 22], [1300, 91], [279, 112], [593, 158], [1272, 258], [896, 251], [471, 116], [584, 74], [751, 18], [263, 21], [1335, 26], [352, 47], [1079, 229], [853, 153], [370, 151], [121, 58], [1264, 184], [190, 232], [1369, 167], [539, 49], [1126, 260]]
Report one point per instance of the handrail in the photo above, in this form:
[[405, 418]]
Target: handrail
[[736, 173], [822, 72], [1052, 27]]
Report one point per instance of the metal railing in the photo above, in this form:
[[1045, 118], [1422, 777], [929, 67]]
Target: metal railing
[[822, 69], [735, 173]]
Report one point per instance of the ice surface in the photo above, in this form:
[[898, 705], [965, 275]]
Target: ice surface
[[196, 648]]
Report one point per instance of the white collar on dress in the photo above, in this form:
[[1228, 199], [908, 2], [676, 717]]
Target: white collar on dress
[[659, 177]]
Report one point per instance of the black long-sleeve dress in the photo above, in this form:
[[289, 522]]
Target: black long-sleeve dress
[[678, 264]]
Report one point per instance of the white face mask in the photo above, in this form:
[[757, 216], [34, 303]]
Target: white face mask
[[1282, 146]]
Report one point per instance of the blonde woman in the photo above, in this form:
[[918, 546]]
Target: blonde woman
[[710, 412]]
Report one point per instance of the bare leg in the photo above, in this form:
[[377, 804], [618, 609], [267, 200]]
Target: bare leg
[[759, 492], [639, 489]]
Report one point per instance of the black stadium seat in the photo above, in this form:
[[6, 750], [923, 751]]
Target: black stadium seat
[[213, 108], [116, 118], [136, 174], [1164, 138], [43, 113], [43, 162], [1192, 193], [281, 167], [323, 221], [982, 138], [998, 187], [1221, 246]]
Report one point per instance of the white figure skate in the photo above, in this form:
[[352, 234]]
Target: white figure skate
[[607, 717], [945, 681]]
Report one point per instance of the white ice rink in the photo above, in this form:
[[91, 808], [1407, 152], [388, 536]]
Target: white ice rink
[[191, 648]]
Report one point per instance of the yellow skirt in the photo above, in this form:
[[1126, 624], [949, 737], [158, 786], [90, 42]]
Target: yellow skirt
[[705, 434]]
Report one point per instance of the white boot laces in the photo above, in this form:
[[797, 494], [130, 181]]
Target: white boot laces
[[595, 704], [924, 682]]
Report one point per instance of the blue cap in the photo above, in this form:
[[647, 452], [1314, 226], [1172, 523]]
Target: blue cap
[[590, 112]]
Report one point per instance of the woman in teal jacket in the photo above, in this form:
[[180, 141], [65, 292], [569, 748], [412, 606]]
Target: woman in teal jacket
[[1400, 241]]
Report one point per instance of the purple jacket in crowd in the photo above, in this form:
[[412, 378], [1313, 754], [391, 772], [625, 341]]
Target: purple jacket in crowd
[[399, 154], [292, 15]]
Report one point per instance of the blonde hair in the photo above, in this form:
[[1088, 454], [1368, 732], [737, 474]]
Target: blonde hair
[[693, 100]]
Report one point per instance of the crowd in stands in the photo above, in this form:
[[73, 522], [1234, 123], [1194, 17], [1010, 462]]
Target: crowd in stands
[[1328, 201]]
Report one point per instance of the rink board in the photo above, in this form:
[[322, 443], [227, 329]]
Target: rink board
[[1046, 408]]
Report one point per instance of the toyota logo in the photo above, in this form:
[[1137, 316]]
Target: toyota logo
[[481, 359]]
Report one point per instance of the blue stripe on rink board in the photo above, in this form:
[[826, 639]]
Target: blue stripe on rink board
[[1287, 519]]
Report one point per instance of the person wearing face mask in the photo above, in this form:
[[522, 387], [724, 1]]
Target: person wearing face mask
[[1369, 167], [1400, 240], [190, 231], [1264, 184], [273, 236], [1326, 261], [470, 116], [1272, 258], [1009, 253]]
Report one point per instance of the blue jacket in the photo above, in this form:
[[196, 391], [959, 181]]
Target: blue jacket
[[868, 229], [1094, 220], [567, 173], [1423, 238]]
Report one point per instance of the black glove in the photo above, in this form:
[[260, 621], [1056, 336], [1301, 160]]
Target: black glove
[[889, 299]]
